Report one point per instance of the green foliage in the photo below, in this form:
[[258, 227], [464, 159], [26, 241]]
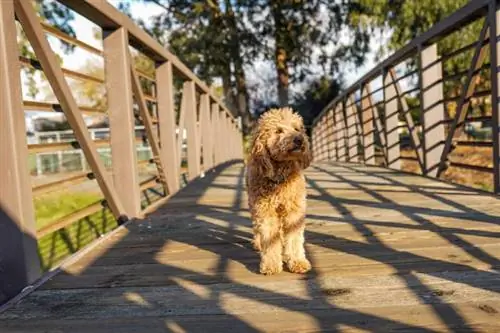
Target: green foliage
[[53, 13], [317, 96], [408, 19]]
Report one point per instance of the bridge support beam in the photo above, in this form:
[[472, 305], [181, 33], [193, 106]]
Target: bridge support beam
[[432, 109], [393, 152], [341, 132], [121, 120], [330, 121], [193, 146], [367, 125], [19, 263], [352, 135], [494, 23], [167, 125]]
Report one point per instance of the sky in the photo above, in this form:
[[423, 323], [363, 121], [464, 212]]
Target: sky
[[140, 10]]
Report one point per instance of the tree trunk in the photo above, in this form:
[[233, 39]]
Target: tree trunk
[[283, 76], [241, 86], [227, 89], [281, 56]]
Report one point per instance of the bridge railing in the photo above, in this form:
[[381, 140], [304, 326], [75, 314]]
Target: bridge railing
[[185, 127], [419, 111]]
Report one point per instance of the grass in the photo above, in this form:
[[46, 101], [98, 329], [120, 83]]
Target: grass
[[51, 207], [480, 156], [58, 245]]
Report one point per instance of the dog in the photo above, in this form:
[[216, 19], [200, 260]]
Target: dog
[[276, 186]]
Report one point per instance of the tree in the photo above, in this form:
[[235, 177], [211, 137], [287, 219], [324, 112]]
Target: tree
[[299, 33], [316, 97], [55, 14], [208, 37]]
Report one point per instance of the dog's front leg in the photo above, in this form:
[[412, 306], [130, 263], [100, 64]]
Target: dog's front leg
[[267, 231], [293, 247]]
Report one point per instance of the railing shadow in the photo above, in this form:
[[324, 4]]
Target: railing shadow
[[190, 266]]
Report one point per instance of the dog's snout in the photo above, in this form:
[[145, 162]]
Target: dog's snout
[[298, 140]]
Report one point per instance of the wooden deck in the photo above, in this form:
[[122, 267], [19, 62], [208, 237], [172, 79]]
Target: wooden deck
[[390, 251]]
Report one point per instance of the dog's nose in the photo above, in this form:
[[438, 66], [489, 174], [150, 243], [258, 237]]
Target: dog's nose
[[298, 140]]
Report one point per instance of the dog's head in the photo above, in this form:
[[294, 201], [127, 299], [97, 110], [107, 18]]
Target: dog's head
[[280, 137]]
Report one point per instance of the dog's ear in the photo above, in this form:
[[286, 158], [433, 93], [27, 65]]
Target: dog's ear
[[306, 159], [261, 158]]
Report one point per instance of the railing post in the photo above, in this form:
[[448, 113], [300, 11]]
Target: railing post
[[192, 130], [222, 128], [216, 127], [121, 119], [227, 131], [352, 137], [326, 138], [341, 132], [367, 125], [206, 131], [19, 263], [393, 153], [313, 142], [494, 18], [167, 125], [330, 135], [321, 139], [431, 90]]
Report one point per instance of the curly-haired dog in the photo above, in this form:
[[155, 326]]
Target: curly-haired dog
[[277, 190]]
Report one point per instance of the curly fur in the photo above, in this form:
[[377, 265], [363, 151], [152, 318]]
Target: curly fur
[[277, 190]]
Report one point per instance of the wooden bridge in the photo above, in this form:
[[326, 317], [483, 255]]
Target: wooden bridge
[[390, 249]]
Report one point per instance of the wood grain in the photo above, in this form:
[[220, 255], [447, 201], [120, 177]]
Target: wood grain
[[390, 251]]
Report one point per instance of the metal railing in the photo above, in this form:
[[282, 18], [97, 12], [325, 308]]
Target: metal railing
[[410, 113], [213, 135]]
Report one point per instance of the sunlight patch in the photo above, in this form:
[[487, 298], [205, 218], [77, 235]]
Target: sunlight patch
[[197, 289], [174, 327], [260, 314], [137, 299]]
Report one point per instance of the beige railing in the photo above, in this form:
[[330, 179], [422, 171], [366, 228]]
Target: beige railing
[[212, 137], [454, 130]]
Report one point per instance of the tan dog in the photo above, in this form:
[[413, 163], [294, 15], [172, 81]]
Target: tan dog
[[277, 190]]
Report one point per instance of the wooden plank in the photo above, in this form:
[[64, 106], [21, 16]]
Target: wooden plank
[[122, 120], [19, 264], [423, 257], [36, 36]]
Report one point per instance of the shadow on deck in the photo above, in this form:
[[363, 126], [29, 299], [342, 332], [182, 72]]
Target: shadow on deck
[[390, 251]]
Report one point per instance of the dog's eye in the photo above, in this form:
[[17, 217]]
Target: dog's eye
[[279, 131]]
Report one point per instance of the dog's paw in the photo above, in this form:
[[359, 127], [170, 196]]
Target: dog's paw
[[256, 245], [299, 266], [271, 269]]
